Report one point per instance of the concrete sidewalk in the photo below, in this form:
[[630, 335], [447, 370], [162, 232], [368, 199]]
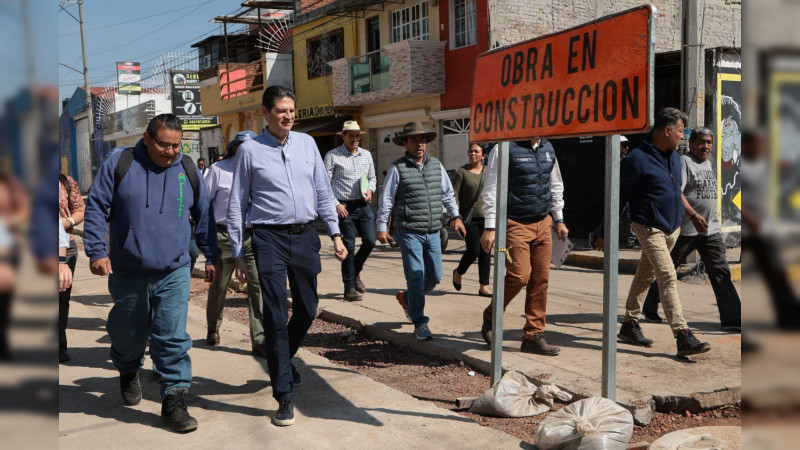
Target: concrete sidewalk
[[647, 378], [231, 397]]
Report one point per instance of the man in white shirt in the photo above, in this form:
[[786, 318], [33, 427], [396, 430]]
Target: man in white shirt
[[219, 180], [535, 193]]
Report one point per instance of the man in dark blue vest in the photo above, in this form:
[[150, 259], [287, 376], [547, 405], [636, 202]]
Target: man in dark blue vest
[[416, 189], [535, 205]]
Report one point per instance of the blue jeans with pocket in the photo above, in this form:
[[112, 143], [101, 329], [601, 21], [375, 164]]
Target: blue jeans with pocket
[[154, 307], [422, 264]]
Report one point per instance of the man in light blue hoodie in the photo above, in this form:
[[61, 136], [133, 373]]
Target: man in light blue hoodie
[[147, 207]]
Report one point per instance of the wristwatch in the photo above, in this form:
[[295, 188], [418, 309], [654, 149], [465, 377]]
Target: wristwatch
[[693, 214], [334, 236], [62, 259]]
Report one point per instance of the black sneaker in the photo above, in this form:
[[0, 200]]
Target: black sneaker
[[653, 318], [296, 380], [285, 415], [174, 411], [130, 387], [486, 332], [689, 345], [732, 327], [631, 333]]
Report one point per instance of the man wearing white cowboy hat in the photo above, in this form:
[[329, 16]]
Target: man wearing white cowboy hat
[[416, 190], [352, 174]]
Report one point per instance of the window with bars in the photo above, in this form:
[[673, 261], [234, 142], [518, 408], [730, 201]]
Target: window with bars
[[465, 29], [410, 23], [455, 126], [321, 50]]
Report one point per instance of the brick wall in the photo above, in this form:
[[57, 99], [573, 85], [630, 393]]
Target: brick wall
[[512, 21]]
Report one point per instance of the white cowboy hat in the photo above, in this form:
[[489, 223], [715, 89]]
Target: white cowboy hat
[[350, 125]]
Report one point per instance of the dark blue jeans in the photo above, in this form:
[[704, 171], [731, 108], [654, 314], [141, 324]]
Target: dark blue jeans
[[279, 254], [156, 307], [360, 222]]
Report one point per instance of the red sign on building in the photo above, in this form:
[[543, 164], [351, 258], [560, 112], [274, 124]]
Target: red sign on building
[[594, 79]]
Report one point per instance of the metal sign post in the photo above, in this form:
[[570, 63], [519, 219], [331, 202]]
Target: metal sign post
[[594, 79], [611, 268], [499, 263]]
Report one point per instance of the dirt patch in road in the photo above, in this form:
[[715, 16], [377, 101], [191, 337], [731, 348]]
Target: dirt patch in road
[[438, 380]]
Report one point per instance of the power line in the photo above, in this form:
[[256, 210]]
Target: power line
[[130, 20], [149, 34]]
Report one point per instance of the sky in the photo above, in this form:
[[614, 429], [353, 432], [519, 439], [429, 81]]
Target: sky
[[141, 31], [13, 61]]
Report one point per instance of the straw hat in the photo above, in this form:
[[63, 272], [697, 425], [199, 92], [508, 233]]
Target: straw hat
[[350, 125]]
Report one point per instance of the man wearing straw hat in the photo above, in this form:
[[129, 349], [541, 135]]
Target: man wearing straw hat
[[352, 174], [416, 190]]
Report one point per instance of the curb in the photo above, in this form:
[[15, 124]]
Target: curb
[[626, 266], [642, 409]]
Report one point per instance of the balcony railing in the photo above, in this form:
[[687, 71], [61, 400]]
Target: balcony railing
[[369, 72], [237, 79], [397, 71]]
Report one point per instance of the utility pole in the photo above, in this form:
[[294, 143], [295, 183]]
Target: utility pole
[[86, 86], [693, 63], [693, 73], [86, 71]]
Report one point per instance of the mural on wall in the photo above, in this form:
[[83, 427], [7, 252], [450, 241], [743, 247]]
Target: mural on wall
[[728, 148], [785, 155]]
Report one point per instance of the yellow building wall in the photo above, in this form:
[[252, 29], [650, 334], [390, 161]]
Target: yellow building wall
[[213, 105], [318, 91]]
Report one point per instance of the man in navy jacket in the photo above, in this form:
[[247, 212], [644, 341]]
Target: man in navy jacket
[[148, 262], [650, 183]]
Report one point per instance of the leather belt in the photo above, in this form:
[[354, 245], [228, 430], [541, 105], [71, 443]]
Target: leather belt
[[297, 228]]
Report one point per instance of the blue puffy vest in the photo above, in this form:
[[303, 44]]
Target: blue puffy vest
[[529, 181]]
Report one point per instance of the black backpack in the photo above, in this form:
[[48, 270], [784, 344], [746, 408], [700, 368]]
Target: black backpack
[[124, 164]]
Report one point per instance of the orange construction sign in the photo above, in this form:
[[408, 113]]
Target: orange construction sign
[[594, 79]]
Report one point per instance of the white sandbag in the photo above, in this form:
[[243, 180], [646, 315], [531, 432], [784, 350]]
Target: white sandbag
[[516, 396], [594, 423]]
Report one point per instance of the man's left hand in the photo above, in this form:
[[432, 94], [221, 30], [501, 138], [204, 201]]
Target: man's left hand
[[211, 273], [341, 250], [457, 225], [368, 196], [562, 231]]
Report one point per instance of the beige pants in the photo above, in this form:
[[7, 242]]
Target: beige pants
[[656, 264]]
